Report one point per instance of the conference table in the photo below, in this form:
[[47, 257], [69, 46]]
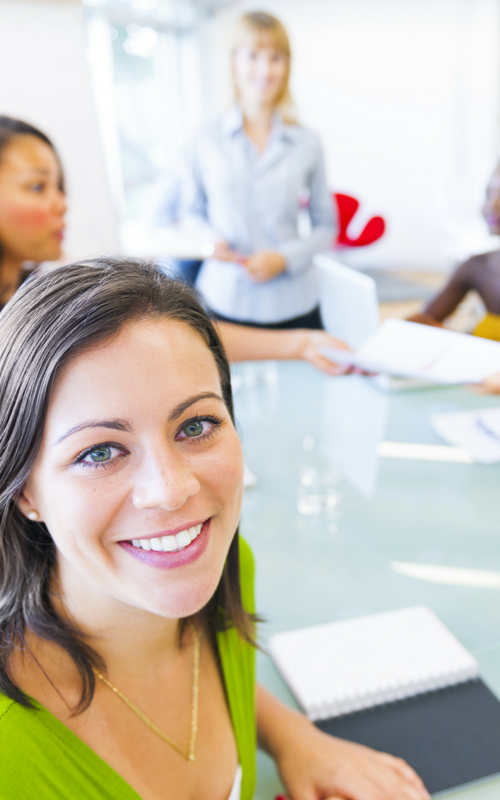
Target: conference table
[[406, 520]]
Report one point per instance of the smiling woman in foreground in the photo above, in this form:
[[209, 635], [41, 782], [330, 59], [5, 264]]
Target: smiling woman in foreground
[[126, 596]]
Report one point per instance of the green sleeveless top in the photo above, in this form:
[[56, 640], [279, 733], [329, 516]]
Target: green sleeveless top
[[41, 758]]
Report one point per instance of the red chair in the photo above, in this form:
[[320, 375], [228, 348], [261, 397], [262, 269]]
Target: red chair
[[347, 207]]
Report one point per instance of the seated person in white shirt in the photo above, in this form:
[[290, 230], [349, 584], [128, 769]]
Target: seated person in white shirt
[[245, 176]]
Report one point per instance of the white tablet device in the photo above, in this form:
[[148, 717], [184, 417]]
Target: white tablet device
[[348, 301]]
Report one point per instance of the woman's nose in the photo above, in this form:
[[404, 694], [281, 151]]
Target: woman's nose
[[59, 205], [263, 66], [164, 484]]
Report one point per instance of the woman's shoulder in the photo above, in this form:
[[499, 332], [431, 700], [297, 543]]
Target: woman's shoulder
[[39, 752], [21, 741], [11, 717], [247, 560], [305, 139], [21, 729], [299, 131], [471, 268], [219, 128], [247, 574]]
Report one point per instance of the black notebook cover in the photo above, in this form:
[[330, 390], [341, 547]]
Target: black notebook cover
[[449, 737]]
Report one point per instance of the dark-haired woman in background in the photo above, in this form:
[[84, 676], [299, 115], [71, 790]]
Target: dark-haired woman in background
[[32, 202], [126, 595]]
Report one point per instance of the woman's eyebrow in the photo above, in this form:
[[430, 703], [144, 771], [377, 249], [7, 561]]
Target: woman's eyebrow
[[123, 425], [178, 410], [38, 170], [114, 424]]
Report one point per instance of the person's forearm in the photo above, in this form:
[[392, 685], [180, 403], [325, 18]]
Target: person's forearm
[[243, 343], [444, 304], [276, 722]]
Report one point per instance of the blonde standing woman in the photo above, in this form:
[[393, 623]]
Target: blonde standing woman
[[245, 176]]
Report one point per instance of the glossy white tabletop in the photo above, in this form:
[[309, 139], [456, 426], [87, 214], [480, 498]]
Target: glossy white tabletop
[[407, 531]]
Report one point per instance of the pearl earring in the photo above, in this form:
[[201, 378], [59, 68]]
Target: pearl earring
[[34, 516]]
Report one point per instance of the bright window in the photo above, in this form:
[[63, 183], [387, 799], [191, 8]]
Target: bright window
[[136, 49]]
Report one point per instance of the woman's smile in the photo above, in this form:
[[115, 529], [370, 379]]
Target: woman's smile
[[167, 551]]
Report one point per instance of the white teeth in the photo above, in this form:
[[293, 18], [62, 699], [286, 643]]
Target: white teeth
[[183, 539], [194, 532], [167, 544]]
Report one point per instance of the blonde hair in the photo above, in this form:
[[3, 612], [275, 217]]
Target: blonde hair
[[269, 31]]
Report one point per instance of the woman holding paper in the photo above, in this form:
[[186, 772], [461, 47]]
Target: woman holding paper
[[246, 177], [127, 626]]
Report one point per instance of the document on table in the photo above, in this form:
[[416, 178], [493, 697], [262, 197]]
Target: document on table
[[478, 431], [410, 350]]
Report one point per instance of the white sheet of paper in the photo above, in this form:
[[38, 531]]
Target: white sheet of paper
[[411, 350], [478, 431]]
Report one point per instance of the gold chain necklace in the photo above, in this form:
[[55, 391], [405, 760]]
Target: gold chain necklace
[[189, 756]]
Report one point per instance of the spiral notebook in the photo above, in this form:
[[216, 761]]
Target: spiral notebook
[[399, 682]]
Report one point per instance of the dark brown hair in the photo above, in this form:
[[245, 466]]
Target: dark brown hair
[[51, 319]]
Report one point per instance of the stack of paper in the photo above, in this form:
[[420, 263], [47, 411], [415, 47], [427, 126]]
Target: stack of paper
[[478, 431], [410, 350]]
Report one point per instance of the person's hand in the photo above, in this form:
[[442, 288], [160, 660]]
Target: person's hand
[[264, 265], [316, 766], [488, 386], [309, 345], [223, 252], [425, 319]]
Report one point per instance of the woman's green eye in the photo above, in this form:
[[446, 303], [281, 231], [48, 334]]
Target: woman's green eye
[[194, 428], [100, 454], [198, 429]]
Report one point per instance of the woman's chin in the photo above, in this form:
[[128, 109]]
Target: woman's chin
[[183, 602]]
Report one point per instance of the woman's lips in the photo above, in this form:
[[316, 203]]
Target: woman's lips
[[179, 558]]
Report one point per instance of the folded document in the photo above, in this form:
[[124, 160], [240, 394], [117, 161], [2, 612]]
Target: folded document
[[411, 350]]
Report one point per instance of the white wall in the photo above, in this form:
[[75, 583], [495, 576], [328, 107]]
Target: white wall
[[405, 95], [45, 81]]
